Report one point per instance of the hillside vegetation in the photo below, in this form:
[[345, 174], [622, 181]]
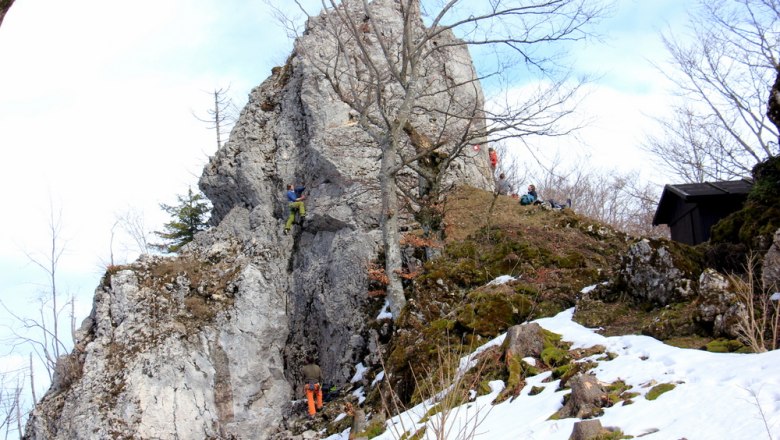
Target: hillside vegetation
[[550, 255]]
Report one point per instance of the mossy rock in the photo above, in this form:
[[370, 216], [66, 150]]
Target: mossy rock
[[726, 346], [658, 390], [571, 260], [693, 342], [676, 320], [545, 309], [443, 325], [490, 313], [375, 429], [535, 390], [555, 357], [618, 391], [755, 224]]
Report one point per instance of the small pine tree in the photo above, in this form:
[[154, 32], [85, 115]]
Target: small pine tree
[[189, 217]]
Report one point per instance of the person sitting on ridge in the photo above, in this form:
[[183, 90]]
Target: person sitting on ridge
[[295, 204], [530, 197]]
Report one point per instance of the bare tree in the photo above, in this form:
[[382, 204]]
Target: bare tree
[[425, 117], [289, 22], [723, 72], [618, 199], [222, 117], [43, 334], [133, 224], [11, 385]]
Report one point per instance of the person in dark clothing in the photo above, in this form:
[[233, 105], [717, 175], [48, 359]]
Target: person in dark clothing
[[312, 376], [530, 197], [503, 185], [532, 192]]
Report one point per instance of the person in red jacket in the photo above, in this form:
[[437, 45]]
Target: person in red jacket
[[493, 158]]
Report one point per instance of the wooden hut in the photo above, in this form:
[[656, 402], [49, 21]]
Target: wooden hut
[[691, 209]]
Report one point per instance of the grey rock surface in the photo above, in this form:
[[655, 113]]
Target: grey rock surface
[[719, 306], [770, 272], [651, 275], [525, 340]]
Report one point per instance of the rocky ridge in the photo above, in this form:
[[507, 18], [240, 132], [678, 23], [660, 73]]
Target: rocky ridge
[[207, 344]]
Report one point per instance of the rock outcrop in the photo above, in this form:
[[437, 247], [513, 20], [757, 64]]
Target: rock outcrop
[[770, 273], [650, 274], [208, 344]]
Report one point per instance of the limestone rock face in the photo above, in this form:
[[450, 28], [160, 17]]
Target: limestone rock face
[[719, 306], [209, 344], [158, 359], [650, 275]]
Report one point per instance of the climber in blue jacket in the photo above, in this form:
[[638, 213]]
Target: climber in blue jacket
[[295, 204]]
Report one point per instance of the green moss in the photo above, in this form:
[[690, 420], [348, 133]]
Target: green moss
[[490, 313], [563, 371], [555, 357], [759, 218], [658, 390], [431, 412], [419, 435], [545, 309], [612, 435], [535, 390], [515, 367], [675, 320], [551, 338], [725, 346], [571, 260], [374, 429], [443, 325], [618, 392]]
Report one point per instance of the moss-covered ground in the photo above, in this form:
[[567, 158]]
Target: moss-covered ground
[[551, 254]]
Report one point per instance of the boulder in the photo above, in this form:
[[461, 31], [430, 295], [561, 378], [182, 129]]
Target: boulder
[[587, 430], [718, 306], [587, 398], [526, 340], [650, 273]]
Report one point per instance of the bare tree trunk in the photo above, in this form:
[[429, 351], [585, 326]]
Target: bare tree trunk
[[18, 411], [53, 259], [222, 116], [32, 380], [773, 106], [73, 318], [390, 234], [217, 120]]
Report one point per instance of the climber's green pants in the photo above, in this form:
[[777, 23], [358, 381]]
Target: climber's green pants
[[294, 207]]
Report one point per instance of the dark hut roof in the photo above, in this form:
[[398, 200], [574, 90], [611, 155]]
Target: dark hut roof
[[696, 193]]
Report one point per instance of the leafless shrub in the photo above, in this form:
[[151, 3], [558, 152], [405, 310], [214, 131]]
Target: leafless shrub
[[68, 370], [759, 325], [446, 391]]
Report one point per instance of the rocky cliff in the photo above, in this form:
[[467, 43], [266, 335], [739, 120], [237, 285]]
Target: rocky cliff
[[208, 344]]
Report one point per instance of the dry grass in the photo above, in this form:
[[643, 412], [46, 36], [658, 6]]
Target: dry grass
[[759, 325]]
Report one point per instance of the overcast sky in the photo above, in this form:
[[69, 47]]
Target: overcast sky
[[97, 100]]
